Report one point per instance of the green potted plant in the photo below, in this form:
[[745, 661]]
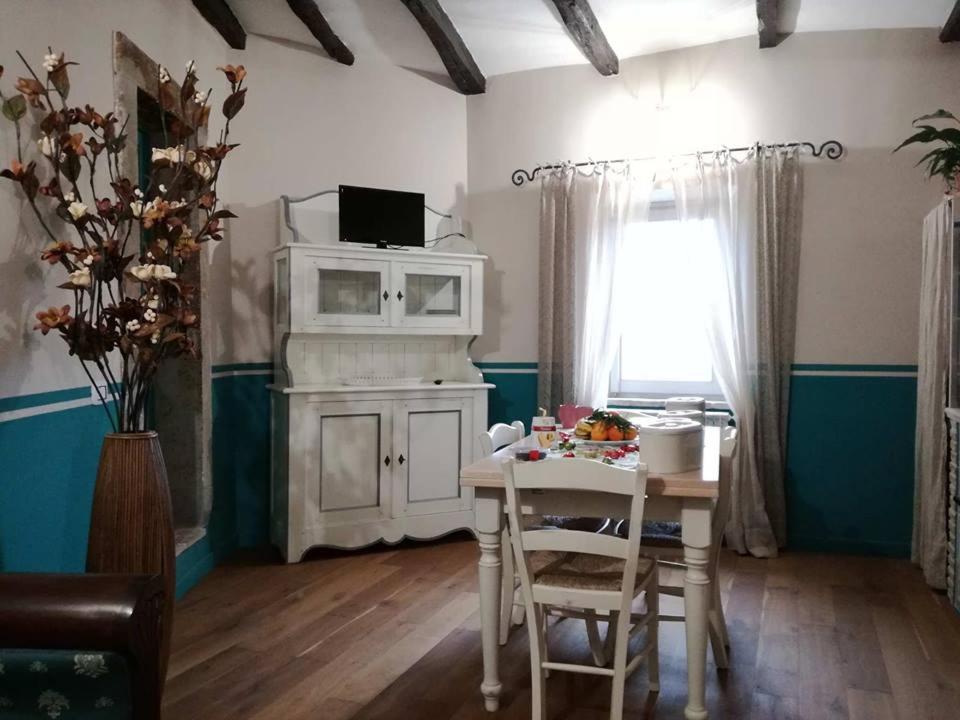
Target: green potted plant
[[942, 161]]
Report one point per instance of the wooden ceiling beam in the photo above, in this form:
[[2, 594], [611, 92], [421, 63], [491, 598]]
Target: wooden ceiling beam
[[951, 28], [450, 46], [768, 14], [583, 27], [219, 14], [317, 24]]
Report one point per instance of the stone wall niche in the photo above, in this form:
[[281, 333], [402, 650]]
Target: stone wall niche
[[181, 394]]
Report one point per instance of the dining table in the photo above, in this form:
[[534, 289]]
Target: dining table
[[685, 497]]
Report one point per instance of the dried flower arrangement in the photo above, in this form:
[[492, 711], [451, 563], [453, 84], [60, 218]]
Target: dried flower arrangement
[[145, 312]]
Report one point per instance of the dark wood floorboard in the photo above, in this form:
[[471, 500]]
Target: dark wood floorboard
[[392, 633]]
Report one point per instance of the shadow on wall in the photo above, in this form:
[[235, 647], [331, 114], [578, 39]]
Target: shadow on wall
[[23, 291], [241, 284]]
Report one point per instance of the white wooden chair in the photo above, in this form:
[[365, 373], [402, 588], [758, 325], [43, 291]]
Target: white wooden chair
[[667, 548], [583, 574]]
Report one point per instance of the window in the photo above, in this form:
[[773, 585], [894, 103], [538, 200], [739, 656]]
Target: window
[[664, 349]]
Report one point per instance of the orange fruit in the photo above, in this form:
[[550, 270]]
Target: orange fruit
[[614, 433], [598, 431], [630, 434]]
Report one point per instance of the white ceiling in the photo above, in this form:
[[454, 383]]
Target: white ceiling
[[511, 35]]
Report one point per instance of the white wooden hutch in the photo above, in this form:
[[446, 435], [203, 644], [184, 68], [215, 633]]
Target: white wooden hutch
[[353, 464]]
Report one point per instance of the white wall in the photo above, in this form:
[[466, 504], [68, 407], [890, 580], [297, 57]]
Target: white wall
[[308, 124], [859, 276]]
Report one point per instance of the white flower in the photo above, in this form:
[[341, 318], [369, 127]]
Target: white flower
[[149, 255], [89, 665], [103, 702], [53, 702], [138, 192], [155, 338], [149, 315], [164, 75], [191, 66], [163, 272], [38, 667], [69, 196], [77, 210], [50, 62], [153, 303], [136, 207], [46, 145], [88, 260], [162, 188], [203, 169], [133, 325], [150, 271], [200, 97], [81, 277]]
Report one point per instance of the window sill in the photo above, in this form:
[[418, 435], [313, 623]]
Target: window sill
[[648, 403]]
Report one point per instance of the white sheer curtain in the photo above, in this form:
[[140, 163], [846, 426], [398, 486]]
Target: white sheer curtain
[[930, 483], [583, 215], [720, 189]]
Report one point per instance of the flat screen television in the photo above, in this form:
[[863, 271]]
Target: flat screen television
[[381, 217]]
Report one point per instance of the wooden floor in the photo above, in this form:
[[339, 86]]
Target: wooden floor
[[393, 634]]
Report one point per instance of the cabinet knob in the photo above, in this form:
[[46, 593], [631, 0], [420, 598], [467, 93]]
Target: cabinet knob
[[386, 296], [401, 459], [386, 461]]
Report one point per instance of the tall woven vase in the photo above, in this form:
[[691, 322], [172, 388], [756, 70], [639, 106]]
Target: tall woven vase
[[131, 526]]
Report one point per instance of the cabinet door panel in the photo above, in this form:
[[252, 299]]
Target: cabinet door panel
[[345, 445], [349, 472], [431, 295], [433, 436], [346, 293]]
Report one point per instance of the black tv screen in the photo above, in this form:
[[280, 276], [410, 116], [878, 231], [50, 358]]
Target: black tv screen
[[381, 217]]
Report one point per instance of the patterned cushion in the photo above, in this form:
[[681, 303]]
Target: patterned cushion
[[63, 685], [656, 534], [583, 571], [593, 525]]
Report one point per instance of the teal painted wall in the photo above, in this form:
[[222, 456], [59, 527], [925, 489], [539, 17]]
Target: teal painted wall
[[849, 468], [849, 478], [850, 463], [49, 465]]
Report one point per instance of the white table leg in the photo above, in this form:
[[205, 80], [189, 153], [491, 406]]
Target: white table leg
[[696, 554], [488, 504]]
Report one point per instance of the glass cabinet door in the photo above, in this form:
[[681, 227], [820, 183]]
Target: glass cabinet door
[[347, 292], [432, 295]]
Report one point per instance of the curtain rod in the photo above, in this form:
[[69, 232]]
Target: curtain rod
[[831, 148]]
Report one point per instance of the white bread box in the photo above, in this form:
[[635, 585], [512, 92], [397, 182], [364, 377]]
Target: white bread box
[[671, 445]]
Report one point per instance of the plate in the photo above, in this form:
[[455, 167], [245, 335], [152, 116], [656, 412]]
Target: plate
[[603, 443]]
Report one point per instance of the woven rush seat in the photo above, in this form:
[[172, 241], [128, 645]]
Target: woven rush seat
[[584, 571]]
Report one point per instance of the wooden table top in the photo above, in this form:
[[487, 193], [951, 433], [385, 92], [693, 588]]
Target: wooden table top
[[488, 472]]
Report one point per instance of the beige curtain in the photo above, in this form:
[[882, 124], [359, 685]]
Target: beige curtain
[[557, 290], [779, 200], [582, 219], [754, 206], [930, 466]]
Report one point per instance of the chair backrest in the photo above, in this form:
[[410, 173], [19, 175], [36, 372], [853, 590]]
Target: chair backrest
[[721, 513], [529, 484], [501, 435]]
